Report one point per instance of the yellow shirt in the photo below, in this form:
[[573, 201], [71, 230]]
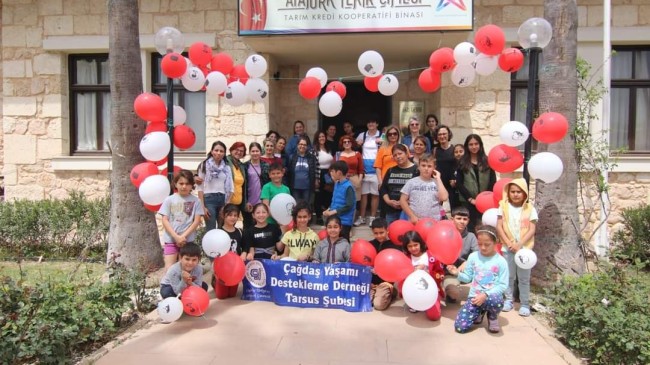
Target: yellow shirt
[[238, 182], [300, 243]]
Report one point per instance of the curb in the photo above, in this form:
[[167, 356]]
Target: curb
[[553, 342]]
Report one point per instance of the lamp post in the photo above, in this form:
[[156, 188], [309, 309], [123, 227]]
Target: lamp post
[[534, 34], [167, 40]]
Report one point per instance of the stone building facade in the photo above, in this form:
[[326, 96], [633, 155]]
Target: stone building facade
[[37, 38]]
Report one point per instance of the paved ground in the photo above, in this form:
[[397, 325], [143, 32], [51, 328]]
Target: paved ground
[[242, 332]]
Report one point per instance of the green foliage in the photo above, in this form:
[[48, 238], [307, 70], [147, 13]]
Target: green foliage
[[136, 282], [632, 243], [605, 316], [67, 228]]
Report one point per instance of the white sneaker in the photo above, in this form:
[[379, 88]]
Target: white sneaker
[[370, 219], [359, 221]]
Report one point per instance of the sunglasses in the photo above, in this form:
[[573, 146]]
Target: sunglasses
[[415, 125], [391, 134]]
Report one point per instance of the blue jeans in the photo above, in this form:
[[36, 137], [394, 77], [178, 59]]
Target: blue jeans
[[213, 203], [392, 216], [301, 194]]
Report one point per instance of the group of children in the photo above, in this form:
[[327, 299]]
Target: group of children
[[491, 275]]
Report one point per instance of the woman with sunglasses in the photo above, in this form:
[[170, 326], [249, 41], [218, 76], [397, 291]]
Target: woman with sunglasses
[[385, 160], [414, 129]]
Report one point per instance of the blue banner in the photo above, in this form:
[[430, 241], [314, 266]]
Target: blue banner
[[302, 284]]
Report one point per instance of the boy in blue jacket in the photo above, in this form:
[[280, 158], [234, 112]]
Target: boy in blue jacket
[[344, 198]]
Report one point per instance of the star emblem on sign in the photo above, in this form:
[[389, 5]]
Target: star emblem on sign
[[457, 3], [257, 18]]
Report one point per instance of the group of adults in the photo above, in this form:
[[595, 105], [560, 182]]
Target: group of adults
[[379, 164]]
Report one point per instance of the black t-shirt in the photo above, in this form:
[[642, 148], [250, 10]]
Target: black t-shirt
[[446, 164], [265, 237], [394, 181], [379, 247], [235, 240]]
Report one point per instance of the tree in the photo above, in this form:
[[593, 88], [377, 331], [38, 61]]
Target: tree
[[133, 232], [558, 237]]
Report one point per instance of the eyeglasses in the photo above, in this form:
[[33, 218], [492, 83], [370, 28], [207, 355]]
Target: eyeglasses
[[415, 124], [391, 134]]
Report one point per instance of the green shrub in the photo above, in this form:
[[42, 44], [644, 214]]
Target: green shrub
[[55, 228], [605, 316], [633, 242]]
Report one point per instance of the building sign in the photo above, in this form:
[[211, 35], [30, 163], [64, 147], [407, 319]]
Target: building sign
[[301, 284], [408, 109], [261, 17]]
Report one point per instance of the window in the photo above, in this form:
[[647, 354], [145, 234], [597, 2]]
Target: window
[[519, 95], [90, 102], [630, 99], [192, 102]]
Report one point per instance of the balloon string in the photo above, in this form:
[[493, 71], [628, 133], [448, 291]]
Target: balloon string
[[340, 78]]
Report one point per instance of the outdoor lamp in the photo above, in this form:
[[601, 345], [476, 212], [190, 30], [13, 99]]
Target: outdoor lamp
[[169, 39]]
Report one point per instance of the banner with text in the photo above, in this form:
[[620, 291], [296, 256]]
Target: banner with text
[[306, 285], [257, 17]]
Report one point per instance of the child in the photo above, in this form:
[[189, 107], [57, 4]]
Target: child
[[421, 196], [230, 217], [382, 292], [333, 248], [187, 272], [415, 248], [459, 151], [273, 188], [299, 242], [263, 238], [516, 222], [181, 215], [343, 198], [488, 272], [460, 216]]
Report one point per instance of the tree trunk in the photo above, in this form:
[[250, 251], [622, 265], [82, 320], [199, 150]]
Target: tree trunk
[[133, 232], [558, 241]]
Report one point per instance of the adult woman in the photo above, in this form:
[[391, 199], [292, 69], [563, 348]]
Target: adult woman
[[298, 132], [269, 153], [324, 184], [414, 129], [348, 129], [384, 159], [394, 180], [445, 161], [302, 171], [216, 185], [473, 177], [272, 135], [234, 160], [369, 142], [257, 174], [354, 161], [432, 124], [419, 148], [330, 133]]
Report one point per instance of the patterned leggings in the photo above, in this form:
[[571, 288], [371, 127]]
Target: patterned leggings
[[469, 312]]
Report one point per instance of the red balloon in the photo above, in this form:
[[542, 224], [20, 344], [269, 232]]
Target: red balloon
[[290, 226], [309, 88], [503, 158], [338, 87], [184, 137], [485, 201], [156, 127], [195, 301], [229, 269], [161, 162], [444, 242], [497, 190], [221, 62], [550, 127], [238, 73], [392, 265], [442, 60], [399, 228], [429, 81], [200, 54], [424, 226], [150, 106], [363, 253], [173, 65], [490, 39], [152, 208], [142, 171], [372, 83], [511, 60], [322, 234], [177, 169]]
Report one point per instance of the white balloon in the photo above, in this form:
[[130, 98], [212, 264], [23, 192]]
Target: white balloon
[[193, 80], [318, 73], [235, 93], [545, 166], [388, 85], [486, 65], [420, 291], [330, 104], [490, 217], [463, 75], [255, 65], [154, 189], [170, 309], [179, 115], [257, 90], [371, 63], [281, 206], [525, 258], [216, 82], [513, 133], [465, 53], [216, 243], [155, 146]]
